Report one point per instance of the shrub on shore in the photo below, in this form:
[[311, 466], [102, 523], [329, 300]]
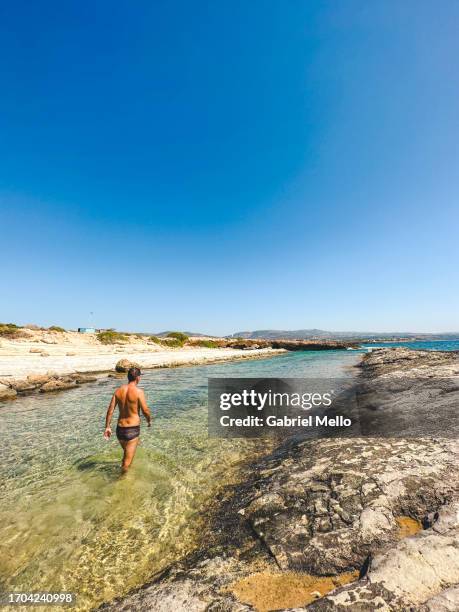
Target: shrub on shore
[[180, 336], [111, 336], [56, 328], [174, 342], [205, 343], [10, 330], [156, 340]]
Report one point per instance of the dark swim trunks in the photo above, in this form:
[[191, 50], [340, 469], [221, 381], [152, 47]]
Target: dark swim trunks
[[125, 434]]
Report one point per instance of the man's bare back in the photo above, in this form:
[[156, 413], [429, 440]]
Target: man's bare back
[[130, 401]]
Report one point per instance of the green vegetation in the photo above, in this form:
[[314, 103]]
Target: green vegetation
[[174, 339], [180, 336], [178, 339], [56, 328], [168, 341], [174, 342], [111, 336], [10, 330], [205, 343]]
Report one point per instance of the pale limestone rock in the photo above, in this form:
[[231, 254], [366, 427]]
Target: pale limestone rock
[[7, 393], [447, 601], [38, 379], [123, 365], [58, 385]]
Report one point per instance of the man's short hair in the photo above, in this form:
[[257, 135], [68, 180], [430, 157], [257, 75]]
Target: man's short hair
[[133, 373]]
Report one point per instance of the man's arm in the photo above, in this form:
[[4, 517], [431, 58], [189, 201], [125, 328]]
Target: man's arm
[[143, 405], [108, 418]]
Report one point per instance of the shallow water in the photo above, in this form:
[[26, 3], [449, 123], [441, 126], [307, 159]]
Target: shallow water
[[69, 522]]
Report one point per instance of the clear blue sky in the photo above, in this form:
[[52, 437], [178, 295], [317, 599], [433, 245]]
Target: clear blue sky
[[229, 165]]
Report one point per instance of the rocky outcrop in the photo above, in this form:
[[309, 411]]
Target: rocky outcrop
[[124, 365], [308, 345], [401, 361], [419, 573], [59, 384], [291, 345], [326, 509], [43, 383], [382, 507]]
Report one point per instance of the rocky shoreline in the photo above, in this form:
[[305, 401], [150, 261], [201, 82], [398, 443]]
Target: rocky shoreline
[[335, 524], [11, 388], [44, 360]]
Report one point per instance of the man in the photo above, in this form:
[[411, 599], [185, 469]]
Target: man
[[130, 400]]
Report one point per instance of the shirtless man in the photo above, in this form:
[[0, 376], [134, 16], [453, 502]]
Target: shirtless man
[[130, 401]]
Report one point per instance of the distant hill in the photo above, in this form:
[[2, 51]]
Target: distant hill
[[320, 334]]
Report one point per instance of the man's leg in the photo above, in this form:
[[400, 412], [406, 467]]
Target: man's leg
[[129, 447]]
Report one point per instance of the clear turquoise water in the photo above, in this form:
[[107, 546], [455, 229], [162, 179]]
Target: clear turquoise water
[[431, 345], [69, 522]]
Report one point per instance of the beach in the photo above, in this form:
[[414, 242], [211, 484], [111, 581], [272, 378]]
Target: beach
[[47, 360], [58, 354]]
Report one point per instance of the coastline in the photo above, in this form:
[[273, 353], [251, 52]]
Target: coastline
[[376, 513], [46, 360], [70, 359]]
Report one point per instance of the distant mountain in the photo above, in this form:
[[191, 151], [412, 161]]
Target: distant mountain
[[320, 334]]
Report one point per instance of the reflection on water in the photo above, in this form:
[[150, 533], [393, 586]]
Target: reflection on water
[[69, 522]]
